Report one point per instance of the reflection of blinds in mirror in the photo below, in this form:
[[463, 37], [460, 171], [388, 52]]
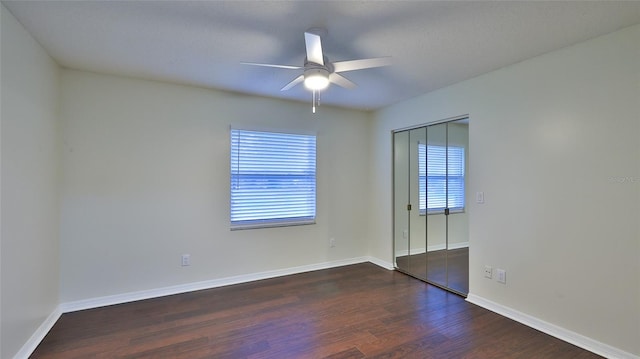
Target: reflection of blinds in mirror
[[432, 176]]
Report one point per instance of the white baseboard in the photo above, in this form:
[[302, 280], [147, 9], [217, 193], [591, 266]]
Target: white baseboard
[[569, 336], [189, 287], [380, 263], [35, 339], [28, 348]]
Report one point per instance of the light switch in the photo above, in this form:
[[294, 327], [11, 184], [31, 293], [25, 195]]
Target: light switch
[[502, 276], [479, 197]]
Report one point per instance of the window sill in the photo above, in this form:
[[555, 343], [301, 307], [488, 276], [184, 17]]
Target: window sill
[[259, 225]]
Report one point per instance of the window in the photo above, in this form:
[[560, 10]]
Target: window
[[273, 179], [437, 196]]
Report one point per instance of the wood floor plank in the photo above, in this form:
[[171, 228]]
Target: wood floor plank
[[358, 311]]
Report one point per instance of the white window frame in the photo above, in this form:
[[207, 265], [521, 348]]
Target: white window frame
[[272, 178]]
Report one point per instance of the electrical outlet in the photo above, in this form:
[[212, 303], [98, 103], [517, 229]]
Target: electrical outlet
[[488, 272], [332, 242], [186, 260], [502, 276]]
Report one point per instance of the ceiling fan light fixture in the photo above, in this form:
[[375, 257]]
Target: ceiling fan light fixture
[[316, 79]]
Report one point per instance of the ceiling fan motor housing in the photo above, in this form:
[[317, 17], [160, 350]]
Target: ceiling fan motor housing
[[316, 78]]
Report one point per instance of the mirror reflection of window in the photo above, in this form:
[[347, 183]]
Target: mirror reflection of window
[[437, 196]]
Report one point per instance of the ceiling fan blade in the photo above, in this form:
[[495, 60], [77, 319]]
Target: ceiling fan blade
[[341, 81], [314, 48], [293, 82], [342, 66], [272, 65]]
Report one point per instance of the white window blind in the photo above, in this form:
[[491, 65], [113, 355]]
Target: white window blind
[[273, 179], [436, 193]]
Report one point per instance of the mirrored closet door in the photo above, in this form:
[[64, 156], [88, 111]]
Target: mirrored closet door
[[430, 219]]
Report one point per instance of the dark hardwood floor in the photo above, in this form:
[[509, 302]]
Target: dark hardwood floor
[[357, 311]]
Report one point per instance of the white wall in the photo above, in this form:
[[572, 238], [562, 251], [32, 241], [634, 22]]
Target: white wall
[[29, 189], [554, 146], [146, 179]]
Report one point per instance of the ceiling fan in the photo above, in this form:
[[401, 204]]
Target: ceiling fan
[[319, 72]]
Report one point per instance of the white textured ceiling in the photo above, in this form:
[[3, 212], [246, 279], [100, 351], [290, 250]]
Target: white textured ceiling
[[433, 44]]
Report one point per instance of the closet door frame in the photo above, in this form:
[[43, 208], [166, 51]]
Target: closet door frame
[[423, 278]]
